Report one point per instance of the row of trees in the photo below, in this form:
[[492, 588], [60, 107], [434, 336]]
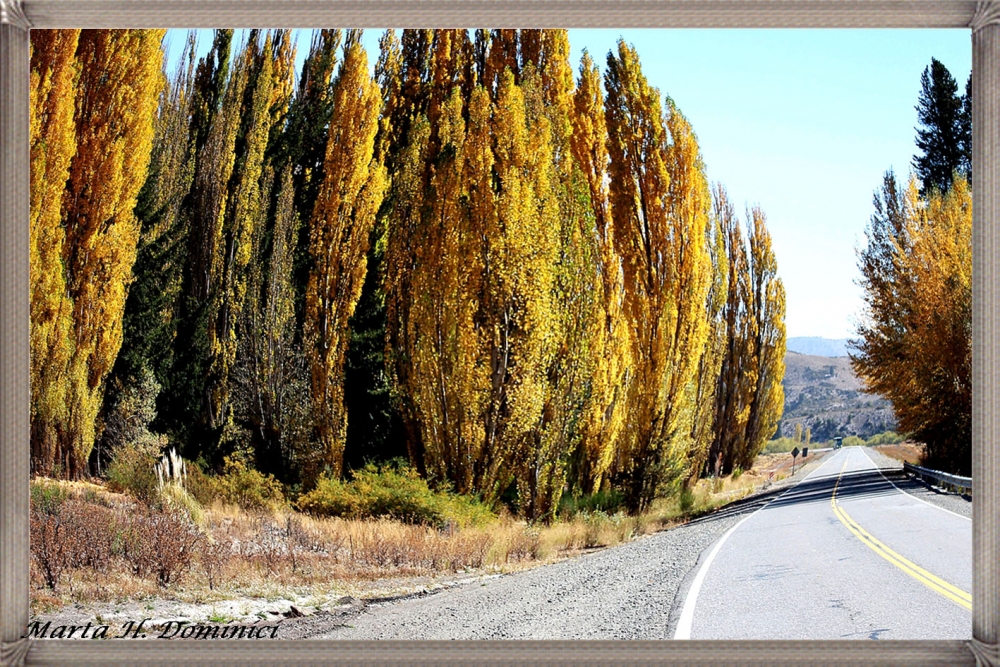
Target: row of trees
[[915, 341], [521, 282]]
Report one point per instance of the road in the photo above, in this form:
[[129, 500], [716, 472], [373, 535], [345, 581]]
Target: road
[[843, 554]]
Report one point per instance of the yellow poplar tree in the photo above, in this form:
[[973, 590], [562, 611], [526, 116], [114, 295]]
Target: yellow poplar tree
[[736, 378], [710, 364], [119, 85], [660, 204], [603, 421], [767, 341], [54, 73], [354, 182]]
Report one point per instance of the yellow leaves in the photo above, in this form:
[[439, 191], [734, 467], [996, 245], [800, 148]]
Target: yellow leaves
[[659, 198], [98, 151], [914, 344], [54, 74], [354, 183]]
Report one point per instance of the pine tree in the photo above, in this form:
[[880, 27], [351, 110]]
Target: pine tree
[[940, 135]]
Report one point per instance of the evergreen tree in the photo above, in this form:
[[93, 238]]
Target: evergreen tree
[[940, 136]]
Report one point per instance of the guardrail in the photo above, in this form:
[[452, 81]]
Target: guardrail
[[944, 479]]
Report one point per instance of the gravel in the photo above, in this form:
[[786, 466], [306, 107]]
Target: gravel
[[632, 591]]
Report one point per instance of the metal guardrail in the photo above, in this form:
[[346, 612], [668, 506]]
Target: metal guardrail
[[945, 479]]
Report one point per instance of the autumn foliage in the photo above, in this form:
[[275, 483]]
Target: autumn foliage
[[549, 295]]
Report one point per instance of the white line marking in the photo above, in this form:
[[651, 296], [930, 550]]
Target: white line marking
[[921, 500], [686, 620]]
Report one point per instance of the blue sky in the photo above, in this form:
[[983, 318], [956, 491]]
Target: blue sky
[[800, 122]]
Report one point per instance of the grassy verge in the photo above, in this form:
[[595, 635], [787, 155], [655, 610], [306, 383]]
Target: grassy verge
[[91, 544]]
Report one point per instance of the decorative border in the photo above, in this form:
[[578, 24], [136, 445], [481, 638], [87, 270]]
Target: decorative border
[[17, 17]]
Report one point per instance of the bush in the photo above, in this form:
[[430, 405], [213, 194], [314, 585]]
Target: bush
[[244, 486], [132, 468], [609, 502], [885, 438], [201, 486], [686, 499], [391, 491], [781, 446], [853, 441]]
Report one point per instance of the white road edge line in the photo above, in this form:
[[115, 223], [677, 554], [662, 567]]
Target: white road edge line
[[921, 500], [686, 621]]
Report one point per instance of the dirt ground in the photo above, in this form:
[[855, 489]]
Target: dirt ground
[[910, 452]]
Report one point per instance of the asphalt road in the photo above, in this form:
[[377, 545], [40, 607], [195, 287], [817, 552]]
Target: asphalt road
[[844, 554], [783, 565]]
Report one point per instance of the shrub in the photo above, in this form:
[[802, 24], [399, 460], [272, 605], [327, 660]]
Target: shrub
[[160, 544], [47, 497], [244, 486], [853, 441], [609, 502], [132, 468], [686, 499], [737, 471], [781, 446], [201, 486], [886, 438], [392, 491]]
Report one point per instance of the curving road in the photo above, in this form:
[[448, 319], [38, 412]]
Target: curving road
[[844, 554]]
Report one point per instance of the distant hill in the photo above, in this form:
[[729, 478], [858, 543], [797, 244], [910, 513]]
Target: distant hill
[[819, 347], [822, 393]]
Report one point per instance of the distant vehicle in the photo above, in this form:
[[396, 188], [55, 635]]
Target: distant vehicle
[[838, 443]]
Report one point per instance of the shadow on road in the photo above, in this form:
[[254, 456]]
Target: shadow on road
[[862, 484]]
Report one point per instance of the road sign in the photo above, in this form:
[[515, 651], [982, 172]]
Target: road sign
[[795, 452], [805, 452]]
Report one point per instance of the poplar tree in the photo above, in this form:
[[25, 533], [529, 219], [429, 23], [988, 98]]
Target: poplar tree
[[240, 219], [53, 83], [117, 92], [660, 206], [766, 310], [150, 319], [914, 344], [603, 421], [354, 182]]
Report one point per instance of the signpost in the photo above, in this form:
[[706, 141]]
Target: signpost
[[795, 453]]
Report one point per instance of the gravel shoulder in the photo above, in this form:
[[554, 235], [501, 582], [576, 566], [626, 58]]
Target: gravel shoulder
[[632, 591]]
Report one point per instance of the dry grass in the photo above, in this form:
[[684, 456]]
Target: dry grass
[[910, 452], [232, 553]]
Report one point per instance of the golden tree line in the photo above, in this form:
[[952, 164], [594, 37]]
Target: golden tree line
[[559, 301]]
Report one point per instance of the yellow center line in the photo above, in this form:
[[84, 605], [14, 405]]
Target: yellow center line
[[936, 584]]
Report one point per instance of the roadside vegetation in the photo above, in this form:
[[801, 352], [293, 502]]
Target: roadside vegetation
[[198, 538], [782, 445]]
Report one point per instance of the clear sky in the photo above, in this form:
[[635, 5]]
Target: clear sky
[[802, 123]]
